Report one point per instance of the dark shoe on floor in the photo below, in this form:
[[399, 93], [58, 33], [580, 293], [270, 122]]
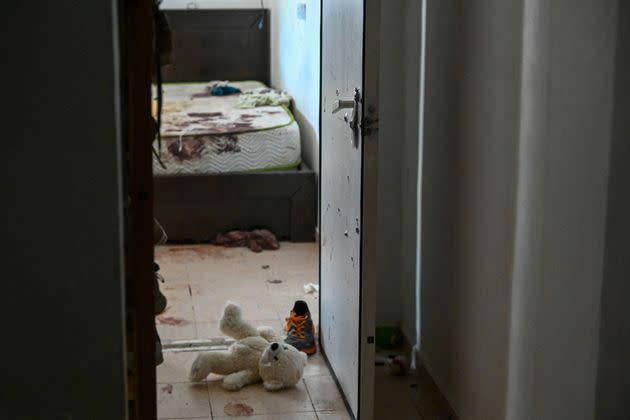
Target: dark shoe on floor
[[160, 299], [300, 329], [159, 357]]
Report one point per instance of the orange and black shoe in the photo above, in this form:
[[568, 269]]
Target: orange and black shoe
[[300, 329]]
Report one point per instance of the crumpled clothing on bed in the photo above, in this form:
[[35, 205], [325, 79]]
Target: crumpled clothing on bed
[[263, 97]]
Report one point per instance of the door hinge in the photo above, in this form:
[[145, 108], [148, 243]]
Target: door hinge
[[370, 126]]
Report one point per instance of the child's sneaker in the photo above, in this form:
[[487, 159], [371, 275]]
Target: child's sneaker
[[300, 328]]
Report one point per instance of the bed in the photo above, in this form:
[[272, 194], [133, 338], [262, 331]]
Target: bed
[[227, 167]]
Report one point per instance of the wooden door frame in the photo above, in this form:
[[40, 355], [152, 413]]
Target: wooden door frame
[[136, 25]]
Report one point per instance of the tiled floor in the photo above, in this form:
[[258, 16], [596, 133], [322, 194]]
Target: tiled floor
[[200, 279]]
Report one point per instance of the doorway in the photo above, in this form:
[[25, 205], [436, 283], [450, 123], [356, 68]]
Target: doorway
[[235, 189], [208, 269]]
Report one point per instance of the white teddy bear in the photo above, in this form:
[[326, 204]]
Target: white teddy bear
[[256, 355]]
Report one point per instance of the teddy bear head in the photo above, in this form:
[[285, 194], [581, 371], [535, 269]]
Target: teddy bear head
[[281, 366]]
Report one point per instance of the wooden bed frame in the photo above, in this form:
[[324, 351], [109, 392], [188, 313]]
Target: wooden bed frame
[[230, 45]]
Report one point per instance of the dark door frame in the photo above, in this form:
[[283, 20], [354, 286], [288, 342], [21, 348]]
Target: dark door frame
[[136, 39]]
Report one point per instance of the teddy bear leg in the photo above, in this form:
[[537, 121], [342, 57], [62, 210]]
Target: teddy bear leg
[[236, 381], [273, 385], [218, 362]]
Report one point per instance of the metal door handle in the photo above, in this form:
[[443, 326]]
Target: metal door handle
[[340, 104]]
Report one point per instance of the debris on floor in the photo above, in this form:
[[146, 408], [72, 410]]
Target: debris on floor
[[311, 288], [171, 320], [256, 240], [396, 365], [265, 267], [238, 410], [274, 281], [168, 388]]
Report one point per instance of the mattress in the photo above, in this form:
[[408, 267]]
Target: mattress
[[204, 134]]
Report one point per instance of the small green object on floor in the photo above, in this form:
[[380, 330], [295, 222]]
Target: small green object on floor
[[388, 337]]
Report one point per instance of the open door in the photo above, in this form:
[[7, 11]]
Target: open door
[[349, 145]]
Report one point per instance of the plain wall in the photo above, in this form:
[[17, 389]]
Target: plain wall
[[297, 69], [471, 127], [388, 308], [613, 376], [516, 139], [295, 56], [398, 164], [63, 335], [567, 114]]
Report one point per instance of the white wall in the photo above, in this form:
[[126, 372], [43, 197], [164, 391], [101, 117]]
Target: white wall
[[563, 176], [297, 69], [398, 164], [63, 335], [613, 374], [516, 149], [389, 162], [294, 58], [468, 199]]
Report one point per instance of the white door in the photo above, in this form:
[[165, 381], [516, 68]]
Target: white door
[[349, 145]]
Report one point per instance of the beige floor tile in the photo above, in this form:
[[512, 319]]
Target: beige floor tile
[[180, 401], [284, 303], [256, 307], [176, 292], [175, 367], [206, 330], [292, 416], [220, 287], [181, 307], [324, 393], [288, 286], [316, 366], [210, 308], [293, 400], [177, 332], [173, 274], [242, 296], [342, 415]]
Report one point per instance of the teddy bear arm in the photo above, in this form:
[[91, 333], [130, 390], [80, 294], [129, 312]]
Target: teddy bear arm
[[238, 380], [268, 334]]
